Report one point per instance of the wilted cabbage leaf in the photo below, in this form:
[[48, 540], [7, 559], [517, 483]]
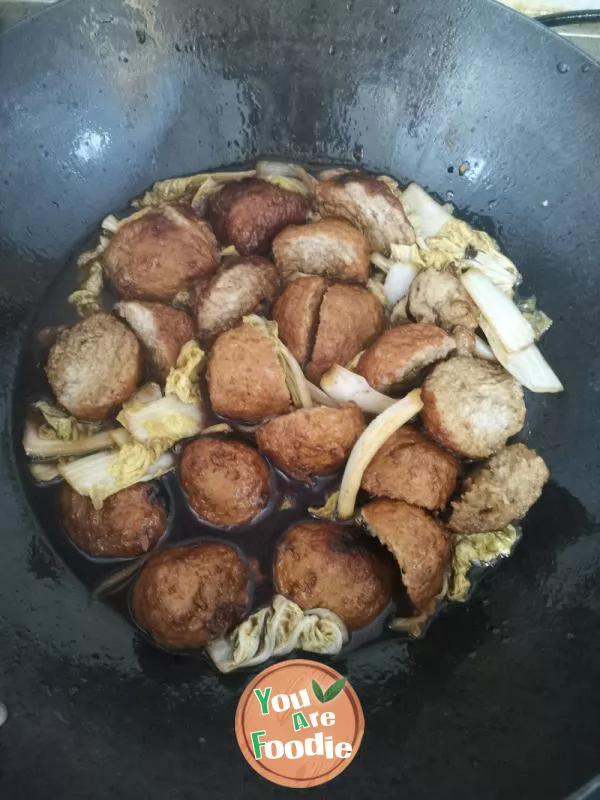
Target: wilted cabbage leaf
[[88, 298], [163, 421], [539, 321], [173, 189], [183, 380], [478, 549], [327, 511], [61, 424]]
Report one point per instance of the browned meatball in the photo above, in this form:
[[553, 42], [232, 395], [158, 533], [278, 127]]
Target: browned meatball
[[330, 247], [350, 318], [128, 524], [322, 565], [401, 353], [226, 482], [163, 331], [160, 254], [411, 468], [419, 545], [245, 378], [248, 214], [314, 441], [94, 367], [440, 299], [190, 595], [296, 313], [243, 286]]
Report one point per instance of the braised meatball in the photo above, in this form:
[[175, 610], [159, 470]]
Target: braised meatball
[[94, 367], [226, 482], [296, 313], [159, 254], [162, 329], [129, 523], [409, 467], [245, 378], [440, 299], [322, 565], [242, 286], [190, 595], [314, 441], [248, 214]]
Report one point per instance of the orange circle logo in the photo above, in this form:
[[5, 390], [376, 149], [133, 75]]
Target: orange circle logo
[[299, 723]]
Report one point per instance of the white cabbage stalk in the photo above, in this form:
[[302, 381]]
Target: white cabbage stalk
[[376, 288], [381, 262], [427, 216], [320, 397], [40, 443], [398, 281], [369, 442], [497, 267], [103, 474], [44, 472], [291, 177], [483, 350], [500, 313], [167, 419], [528, 366], [345, 386]]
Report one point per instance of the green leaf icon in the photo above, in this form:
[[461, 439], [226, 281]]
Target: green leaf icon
[[318, 692], [334, 689]]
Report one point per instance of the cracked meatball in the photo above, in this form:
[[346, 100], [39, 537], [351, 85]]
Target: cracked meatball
[[439, 298], [409, 467], [94, 367], [472, 406], [162, 329], [296, 313], [226, 482], [330, 247], [242, 286], [245, 378], [322, 565], [159, 254], [129, 523], [400, 354], [500, 491], [248, 214], [419, 545], [370, 205], [190, 595], [313, 441]]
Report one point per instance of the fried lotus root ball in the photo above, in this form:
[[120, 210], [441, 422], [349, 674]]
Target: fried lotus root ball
[[249, 213], [401, 353], [226, 482], [500, 491], [313, 441], [162, 329], [409, 467], [472, 406], [94, 367], [159, 254], [190, 595], [129, 523], [323, 565], [245, 378], [419, 545], [330, 247], [242, 286], [368, 204]]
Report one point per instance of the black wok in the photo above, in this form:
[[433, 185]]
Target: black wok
[[502, 698]]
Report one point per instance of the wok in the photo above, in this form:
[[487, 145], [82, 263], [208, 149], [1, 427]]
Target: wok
[[500, 698]]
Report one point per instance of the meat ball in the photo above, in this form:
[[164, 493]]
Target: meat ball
[[226, 482], [159, 254], [330, 247], [419, 545], [401, 353], [350, 318], [472, 406], [191, 595], [129, 523], [314, 441], [248, 214], [411, 468], [296, 313], [162, 329], [439, 298], [243, 286], [500, 491], [322, 565], [94, 367], [245, 378], [370, 205]]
